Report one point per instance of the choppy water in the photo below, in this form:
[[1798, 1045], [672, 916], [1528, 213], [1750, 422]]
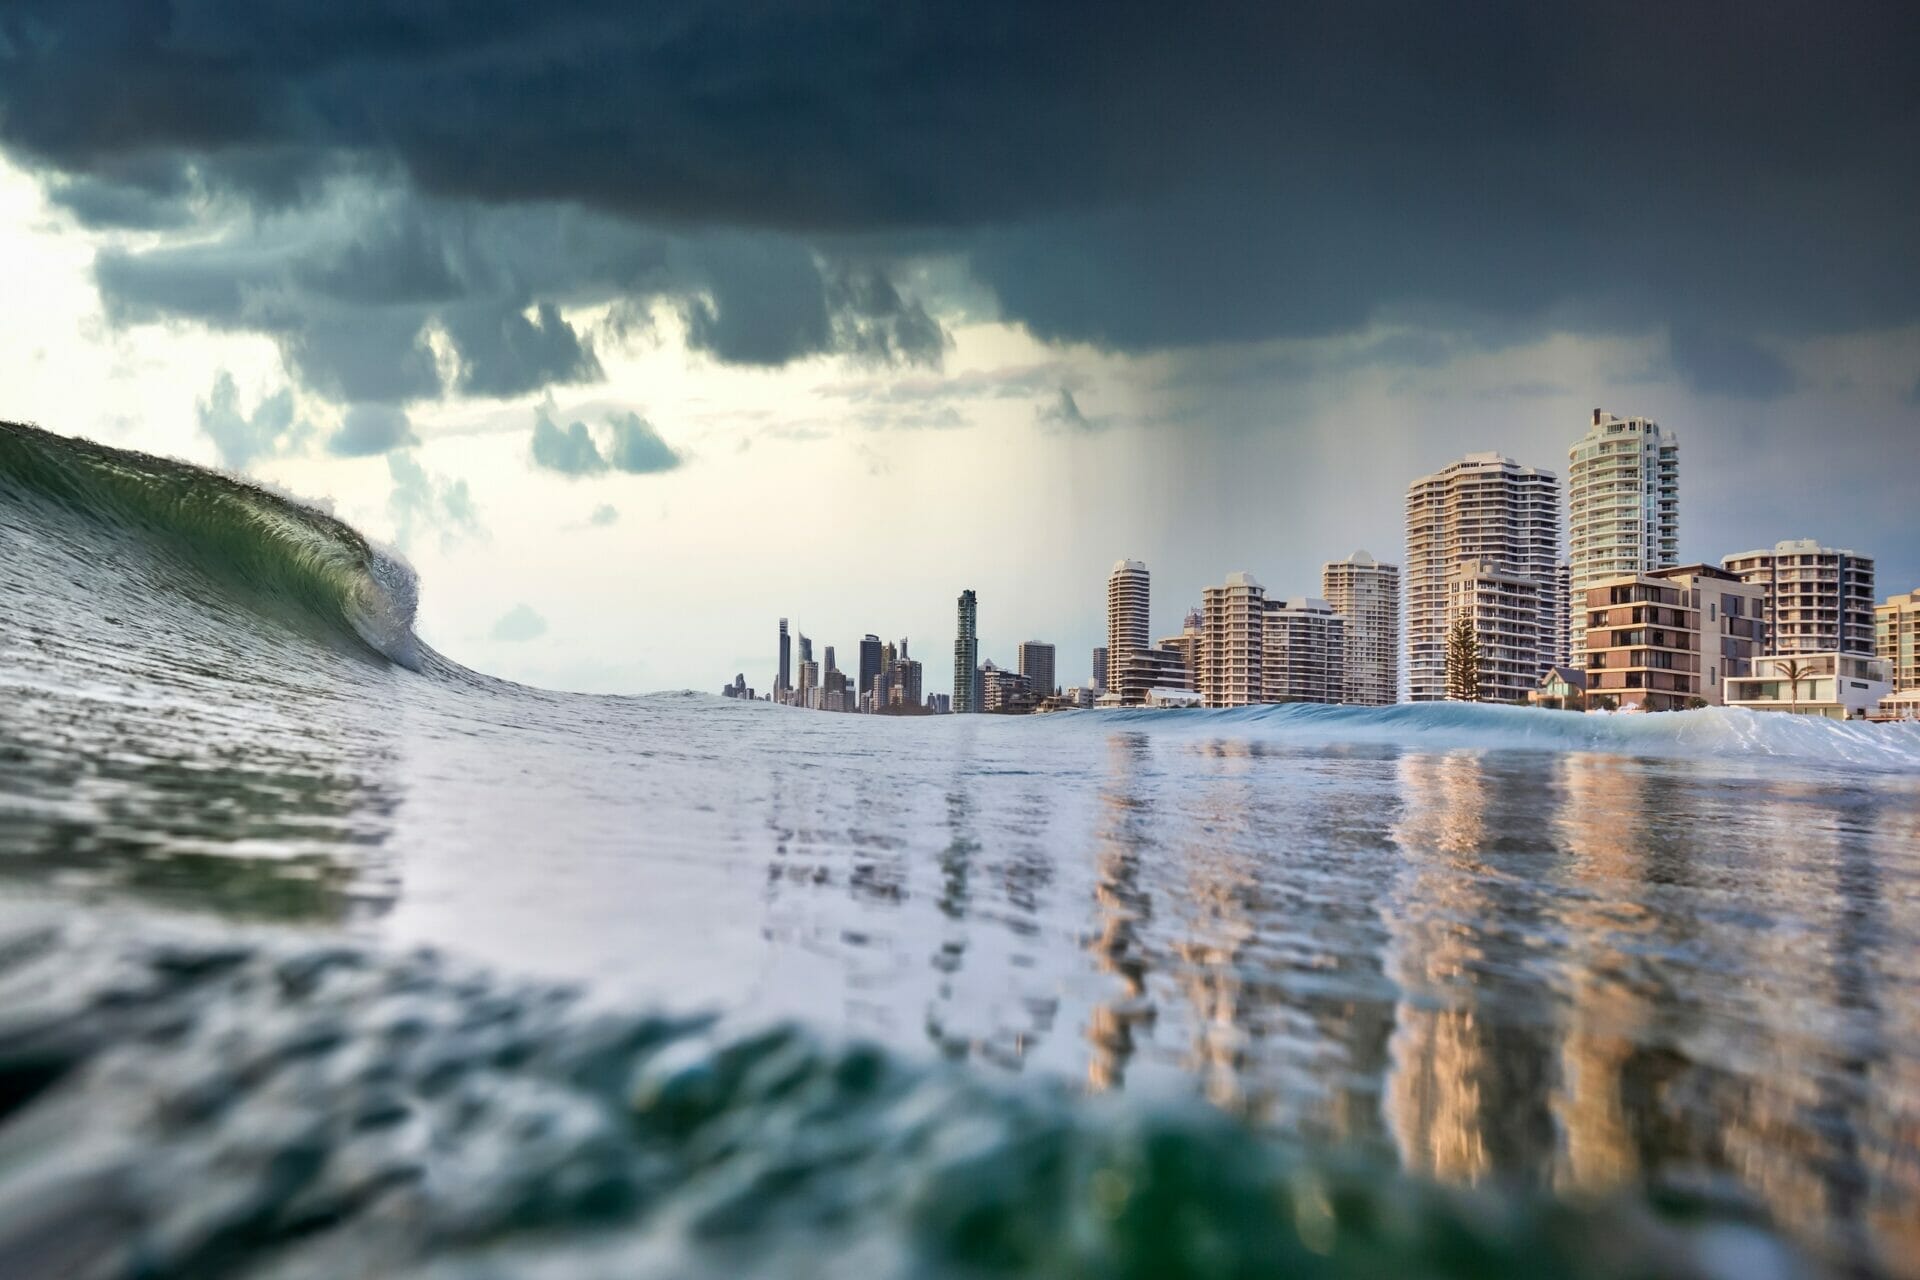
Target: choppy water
[[1429, 990]]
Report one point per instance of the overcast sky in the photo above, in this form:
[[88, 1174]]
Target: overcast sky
[[640, 326]]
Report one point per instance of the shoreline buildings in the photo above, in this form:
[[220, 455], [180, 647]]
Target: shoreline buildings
[[1303, 645], [1128, 593], [1234, 620], [1036, 664], [1817, 599], [1483, 536], [966, 656], [1623, 510], [1367, 594]]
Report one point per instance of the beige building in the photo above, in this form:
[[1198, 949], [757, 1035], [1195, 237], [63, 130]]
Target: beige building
[[1187, 647], [1487, 510], [1507, 621], [1233, 666], [1732, 631], [1642, 645], [1127, 625], [1818, 599], [1367, 594], [1623, 507], [1896, 638], [1839, 686], [1303, 651]]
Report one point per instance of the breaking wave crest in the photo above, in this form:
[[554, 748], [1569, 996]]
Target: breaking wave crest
[[285, 553]]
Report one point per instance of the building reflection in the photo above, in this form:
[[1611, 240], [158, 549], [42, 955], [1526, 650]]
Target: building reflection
[[1122, 913]]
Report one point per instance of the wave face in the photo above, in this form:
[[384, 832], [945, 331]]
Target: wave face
[[1440, 990], [289, 554]]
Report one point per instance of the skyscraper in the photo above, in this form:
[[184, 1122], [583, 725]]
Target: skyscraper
[[966, 656], [1502, 518], [828, 664], [1303, 654], [1233, 672], [1100, 669], [784, 681], [806, 648], [1127, 617], [1036, 664], [1623, 509], [1815, 599], [870, 663], [1367, 594]]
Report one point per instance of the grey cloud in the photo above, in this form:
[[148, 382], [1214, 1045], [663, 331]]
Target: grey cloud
[[637, 448], [519, 624], [569, 450], [420, 502], [508, 354], [1063, 413], [603, 515], [369, 429], [240, 437], [1113, 175], [633, 446]]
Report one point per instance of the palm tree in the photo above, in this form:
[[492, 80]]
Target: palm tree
[[1793, 672]]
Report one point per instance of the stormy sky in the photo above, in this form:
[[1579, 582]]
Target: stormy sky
[[830, 310]]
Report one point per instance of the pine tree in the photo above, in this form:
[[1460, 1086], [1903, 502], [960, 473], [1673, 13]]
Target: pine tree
[[1463, 661]]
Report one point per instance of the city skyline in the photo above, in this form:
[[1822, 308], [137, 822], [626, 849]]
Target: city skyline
[[1492, 543]]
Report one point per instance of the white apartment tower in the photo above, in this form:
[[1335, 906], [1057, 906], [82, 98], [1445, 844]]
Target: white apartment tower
[[1506, 612], [1367, 594], [1623, 508], [1814, 599], [1304, 651], [1233, 671], [1127, 621], [1487, 510]]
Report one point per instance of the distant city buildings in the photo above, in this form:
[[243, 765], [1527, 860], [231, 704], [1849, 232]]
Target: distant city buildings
[[1303, 651], [1623, 508], [1036, 664], [1896, 632], [1367, 594], [1128, 624], [1611, 620], [1483, 535], [1233, 667], [966, 656], [1817, 599]]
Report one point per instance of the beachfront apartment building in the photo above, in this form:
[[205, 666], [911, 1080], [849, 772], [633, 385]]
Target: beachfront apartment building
[[1896, 639], [1128, 597], [1303, 651], [1817, 599], [1508, 617], [1233, 666], [1732, 633], [1623, 508], [1036, 664], [966, 653], [1484, 510], [1367, 594], [1838, 686]]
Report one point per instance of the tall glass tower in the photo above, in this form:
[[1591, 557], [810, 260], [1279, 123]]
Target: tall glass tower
[[966, 656]]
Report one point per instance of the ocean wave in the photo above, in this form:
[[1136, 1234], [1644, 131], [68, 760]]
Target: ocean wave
[[336, 1111], [279, 549], [1708, 732]]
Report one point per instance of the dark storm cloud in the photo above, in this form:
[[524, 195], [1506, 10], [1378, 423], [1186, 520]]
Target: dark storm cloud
[[633, 446], [1115, 173], [240, 437]]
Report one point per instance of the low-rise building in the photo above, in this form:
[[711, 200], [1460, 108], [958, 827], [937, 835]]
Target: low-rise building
[[1642, 645], [1730, 613], [1839, 686], [1896, 638], [1561, 689]]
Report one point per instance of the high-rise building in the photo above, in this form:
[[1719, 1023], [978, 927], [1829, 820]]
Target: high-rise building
[[1303, 651], [784, 681], [869, 662], [1004, 691], [1187, 646], [1485, 509], [1100, 669], [1233, 668], [1896, 637], [1367, 594], [1036, 664], [1818, 599], [966, 657], [806, 648], [1127, 617], [828, 663], [1507, 623], [1623, 507]]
